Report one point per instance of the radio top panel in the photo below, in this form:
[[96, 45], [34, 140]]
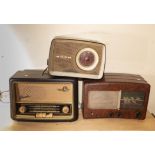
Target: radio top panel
[[119, 78], [38, 75]]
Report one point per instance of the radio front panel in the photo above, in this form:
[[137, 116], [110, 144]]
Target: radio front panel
[[44, 99], [76, 58], [115, 98]]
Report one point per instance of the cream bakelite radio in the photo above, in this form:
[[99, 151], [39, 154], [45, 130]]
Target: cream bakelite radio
[[43, 98], [76, 58]]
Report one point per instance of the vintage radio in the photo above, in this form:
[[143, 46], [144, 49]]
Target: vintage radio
[[116, 96], [37, 97], [76, 58]]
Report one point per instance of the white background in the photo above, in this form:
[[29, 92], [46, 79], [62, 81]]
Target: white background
[[81, 12]]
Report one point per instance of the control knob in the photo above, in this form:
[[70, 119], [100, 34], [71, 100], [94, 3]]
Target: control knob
[[22, 109], [65, 109]]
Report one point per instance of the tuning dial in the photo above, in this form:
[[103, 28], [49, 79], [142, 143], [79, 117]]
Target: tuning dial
[[22, 109], [87, 59], [65, 109]]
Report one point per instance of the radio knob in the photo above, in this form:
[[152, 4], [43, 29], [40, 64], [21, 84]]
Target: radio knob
[[86, 58], [110, 114], [22, 109], [65, 88], [65, 109], [138, 114], [119, 114]]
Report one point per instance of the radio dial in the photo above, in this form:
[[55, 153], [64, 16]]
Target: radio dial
[[22, 109], [87, 59], [65, 109]]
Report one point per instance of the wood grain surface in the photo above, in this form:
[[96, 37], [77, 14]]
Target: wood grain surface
[[102, 124]]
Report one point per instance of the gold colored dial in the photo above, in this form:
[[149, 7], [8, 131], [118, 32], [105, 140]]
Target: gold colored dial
[[65, 109]]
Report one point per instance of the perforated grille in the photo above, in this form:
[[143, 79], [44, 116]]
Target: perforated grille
[[104, 99], [44, 92]]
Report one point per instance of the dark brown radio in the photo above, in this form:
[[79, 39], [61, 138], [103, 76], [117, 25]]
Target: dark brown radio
[[76, 58], [116, 96], [43, 98]]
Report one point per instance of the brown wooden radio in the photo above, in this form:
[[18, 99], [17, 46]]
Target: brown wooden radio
[[116, 96]]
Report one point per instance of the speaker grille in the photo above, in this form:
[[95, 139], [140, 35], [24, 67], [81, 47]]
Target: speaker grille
[[104, 99], [44, 92]]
